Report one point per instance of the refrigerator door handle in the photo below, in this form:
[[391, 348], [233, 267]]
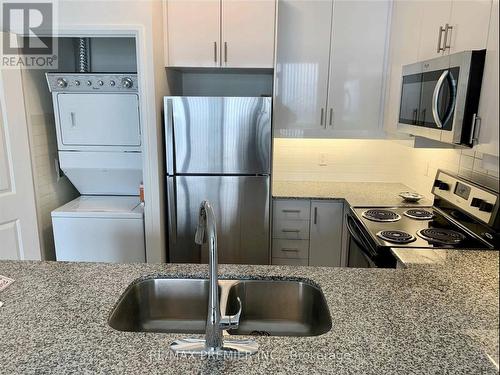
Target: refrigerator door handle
[[169, 136], [172, 211]]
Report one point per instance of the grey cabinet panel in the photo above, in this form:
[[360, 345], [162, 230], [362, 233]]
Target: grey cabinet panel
[[325, 246]]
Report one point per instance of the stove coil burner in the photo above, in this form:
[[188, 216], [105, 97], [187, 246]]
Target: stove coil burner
[[441, 236], [381, 215], [418, 214], [396, 236]]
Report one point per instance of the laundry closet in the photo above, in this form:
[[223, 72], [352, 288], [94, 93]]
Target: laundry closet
[[86, 145]]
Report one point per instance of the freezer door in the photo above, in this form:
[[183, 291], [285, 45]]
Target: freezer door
[[241, 206], [218, 135]]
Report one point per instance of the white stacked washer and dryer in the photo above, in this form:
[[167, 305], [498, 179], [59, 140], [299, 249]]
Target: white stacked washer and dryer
[[99, 146]]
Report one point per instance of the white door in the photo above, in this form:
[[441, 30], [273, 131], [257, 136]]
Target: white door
[[436, 14], [357, 66], [98, 120], [405, 36], [488, 102], [470, 20], [303, 49], [325, 246], [193, 32], [248, 33], [18, 222]]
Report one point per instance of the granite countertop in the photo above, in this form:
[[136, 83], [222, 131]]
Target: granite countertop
[[355, 193], [440, 319]]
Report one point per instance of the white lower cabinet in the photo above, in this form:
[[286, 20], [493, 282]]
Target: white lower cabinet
[[307, 232]]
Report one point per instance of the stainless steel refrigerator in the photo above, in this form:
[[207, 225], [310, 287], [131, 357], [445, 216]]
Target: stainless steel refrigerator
[[219, 149]]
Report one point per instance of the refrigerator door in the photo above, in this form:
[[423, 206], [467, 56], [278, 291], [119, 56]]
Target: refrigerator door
[[218, 135], [241, 206]]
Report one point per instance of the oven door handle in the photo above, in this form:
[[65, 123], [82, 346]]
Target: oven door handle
[[366, 248], [435, 98]]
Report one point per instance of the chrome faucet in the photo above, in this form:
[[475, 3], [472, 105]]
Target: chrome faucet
[[213, 345]]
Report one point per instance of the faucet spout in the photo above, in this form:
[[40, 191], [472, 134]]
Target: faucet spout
[[213, 345], [206, 220]]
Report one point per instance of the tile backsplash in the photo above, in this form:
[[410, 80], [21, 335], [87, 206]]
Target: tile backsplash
[[376, 161]]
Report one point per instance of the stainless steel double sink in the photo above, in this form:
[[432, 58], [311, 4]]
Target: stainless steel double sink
[[269, 307]]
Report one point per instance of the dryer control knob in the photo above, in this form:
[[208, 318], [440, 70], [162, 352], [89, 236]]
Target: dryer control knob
[[61, 82], [100, 83], [127, 82]]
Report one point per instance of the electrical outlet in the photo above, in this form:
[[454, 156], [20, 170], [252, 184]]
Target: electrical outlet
[[322, 160]]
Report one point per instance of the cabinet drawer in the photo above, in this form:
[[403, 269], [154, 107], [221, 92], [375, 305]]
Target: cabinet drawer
[[291, 229], [292, 209], [289, 262], [298, 249]]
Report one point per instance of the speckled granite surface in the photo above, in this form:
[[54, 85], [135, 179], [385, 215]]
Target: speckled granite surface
[[420, 320], [355, 193]]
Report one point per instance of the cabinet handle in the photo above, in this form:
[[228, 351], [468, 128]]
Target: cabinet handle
[[225, 52], [441, 30], [331, 116], [290, 211], [322, 116], [290, 230], [446, 46], [415, 116], [215, 52], [315, 215], [289, 250]]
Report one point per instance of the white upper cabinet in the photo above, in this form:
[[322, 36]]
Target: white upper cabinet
[[303, 41], [220, 33], [470, 20], [248, 33], [488, 142], [357, 68], [405, 35], [435, 16], [193, 33], [450, 26], [330, 66]]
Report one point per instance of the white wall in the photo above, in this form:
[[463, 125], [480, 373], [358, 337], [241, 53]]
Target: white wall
[[371, 161], [144, 17], [50, 190]]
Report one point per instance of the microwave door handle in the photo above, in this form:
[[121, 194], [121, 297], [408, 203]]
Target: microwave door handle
[[435, 98]]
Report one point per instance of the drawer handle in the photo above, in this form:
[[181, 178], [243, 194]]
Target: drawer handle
[[290, 250], [291, 230], [290, 211]]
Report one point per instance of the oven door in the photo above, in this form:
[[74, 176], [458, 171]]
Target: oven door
[[360, 253]]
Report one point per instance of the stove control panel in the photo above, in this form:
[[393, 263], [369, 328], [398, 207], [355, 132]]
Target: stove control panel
[[92, 82], [476, 200]]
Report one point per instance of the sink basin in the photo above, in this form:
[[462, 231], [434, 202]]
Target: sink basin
[[279, 308], [269, 307], [162, 305]]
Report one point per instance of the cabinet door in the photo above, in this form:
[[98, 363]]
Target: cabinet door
[[193, 31], [303, 42], [470, 20], [325, 247], [488, 103], [248, 33], [357, 67], [436, 14], [405, 36]]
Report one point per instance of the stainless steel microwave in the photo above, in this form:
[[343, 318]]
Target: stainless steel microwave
[[440, 97]]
